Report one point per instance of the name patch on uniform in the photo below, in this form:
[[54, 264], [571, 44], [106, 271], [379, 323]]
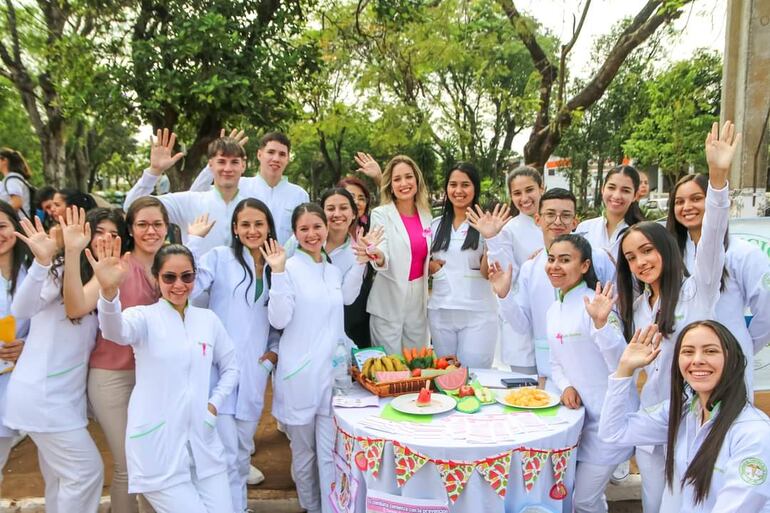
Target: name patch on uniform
[[753, 471]]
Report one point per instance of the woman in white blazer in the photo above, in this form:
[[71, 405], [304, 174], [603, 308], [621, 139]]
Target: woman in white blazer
[[399, 296], [307, 295], [174, 453]]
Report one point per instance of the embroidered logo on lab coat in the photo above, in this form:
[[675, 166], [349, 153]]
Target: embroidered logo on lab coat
[[613, 321], [766, 281], [753, 471]]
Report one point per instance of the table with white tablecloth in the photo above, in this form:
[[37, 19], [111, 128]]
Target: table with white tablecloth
[[534, 459]]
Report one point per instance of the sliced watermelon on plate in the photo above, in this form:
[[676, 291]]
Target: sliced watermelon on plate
[[451, 382]]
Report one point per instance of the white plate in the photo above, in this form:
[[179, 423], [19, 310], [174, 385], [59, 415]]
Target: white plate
[[554, 400], [439, 403]]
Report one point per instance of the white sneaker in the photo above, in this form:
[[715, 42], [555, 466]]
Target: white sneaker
[[621, 472], [255, 476]]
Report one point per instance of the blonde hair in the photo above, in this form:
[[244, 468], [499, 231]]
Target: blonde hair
[[386, 186]]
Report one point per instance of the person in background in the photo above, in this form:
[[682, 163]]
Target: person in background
[[398, 299], [643, 194], [462, 310], [64, 198], [44, 204], [16, 189]]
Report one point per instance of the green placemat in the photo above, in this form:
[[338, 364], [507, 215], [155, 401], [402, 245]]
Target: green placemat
[[390, 413], [545, 412]]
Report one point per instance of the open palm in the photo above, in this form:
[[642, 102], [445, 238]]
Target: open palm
[[162, 156], [643, 348], [76, 232], [721, 145], [368, 166], [108, 267], [600, 307], [500, 279], [38, 241], [274, 255], [488, 224]]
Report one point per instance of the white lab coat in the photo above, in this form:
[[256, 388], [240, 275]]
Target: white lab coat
[[459, 285], [184, 207], [281, 199], [22, 328], [47, 389], [595, 231], [168, 409], [306, 302], [525, 306], [739, 481], [747, 286], [582, 357], [389, 290], [342, 257], [245, 319]]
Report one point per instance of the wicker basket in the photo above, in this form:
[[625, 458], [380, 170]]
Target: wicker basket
[[394, 388]]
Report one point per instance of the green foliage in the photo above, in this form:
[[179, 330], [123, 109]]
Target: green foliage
[[16, 132]]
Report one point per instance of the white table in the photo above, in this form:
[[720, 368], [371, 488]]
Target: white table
[[478, 496]]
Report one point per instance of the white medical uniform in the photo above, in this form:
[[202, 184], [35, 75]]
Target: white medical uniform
[[739, 481], [595, 231], [306, 301], [46, 394], [462, 311], [697, 301], [171, 437]]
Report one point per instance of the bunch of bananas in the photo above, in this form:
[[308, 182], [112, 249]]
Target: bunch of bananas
[[383, 363]]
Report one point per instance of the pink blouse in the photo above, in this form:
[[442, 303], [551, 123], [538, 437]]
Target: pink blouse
[[418, 244], [137, 289]]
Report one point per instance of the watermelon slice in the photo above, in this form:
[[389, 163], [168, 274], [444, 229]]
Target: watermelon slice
[[390, 376], [451, 381]]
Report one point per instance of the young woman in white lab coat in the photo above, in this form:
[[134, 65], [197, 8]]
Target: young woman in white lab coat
[[649, 260], [399, 296], [585, 343], [14, 261], [745, 280], [462, 311], [237, 281], [46, 394], [515, 243], [307, 294], [621, 210], [175, 456], [718, 442]]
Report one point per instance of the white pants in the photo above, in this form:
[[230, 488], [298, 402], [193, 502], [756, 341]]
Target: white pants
[[72, 469], [238, 438], [516, 349], [590, 482], [5, 451], [210, 495], [312, 463], [469, 335], [410, 332], [652, 468]]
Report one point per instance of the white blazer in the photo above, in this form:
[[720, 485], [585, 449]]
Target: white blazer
[[388, 294]]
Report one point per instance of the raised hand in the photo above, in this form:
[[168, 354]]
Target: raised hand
[[201, 226], [76, 232], [366, 246], [161, 152], [274, 255], [720, 150], [39, 243], [239, 136], [108, 267], [643, 348], [500, 279], [368, 166], [486, 223], [600, 307]]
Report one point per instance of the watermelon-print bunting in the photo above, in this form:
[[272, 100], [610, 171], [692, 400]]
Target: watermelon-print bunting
[[495, 471], [407, 463], [560, 461], [373, 453], [455, 476], [347, 444], [531, 465]]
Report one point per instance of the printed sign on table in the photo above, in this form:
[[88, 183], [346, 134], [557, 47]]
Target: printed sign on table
[[381, 502], [345, 487]]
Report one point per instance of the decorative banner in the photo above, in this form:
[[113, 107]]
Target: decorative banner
[[407, 463], [347, 441], [495, 472], [455, 476], [344, 488], [531, 464], [381, 502], [373, 454], [560, 461]]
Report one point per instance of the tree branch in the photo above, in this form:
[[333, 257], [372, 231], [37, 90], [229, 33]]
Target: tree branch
[[12, 27]]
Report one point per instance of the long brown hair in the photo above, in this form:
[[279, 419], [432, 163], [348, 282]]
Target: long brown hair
[[386, 187], [729, 393]]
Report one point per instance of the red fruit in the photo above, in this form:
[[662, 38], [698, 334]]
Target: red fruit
[[416, 373], [442, 363], [360, 459], [558, 491], [466, 391], [423, 398]]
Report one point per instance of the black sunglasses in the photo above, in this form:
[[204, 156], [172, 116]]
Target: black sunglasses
[[170, 278]]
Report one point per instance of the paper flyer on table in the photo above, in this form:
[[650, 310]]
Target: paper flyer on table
[[381, 502]]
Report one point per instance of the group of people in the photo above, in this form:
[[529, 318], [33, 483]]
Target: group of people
[[172, 345]]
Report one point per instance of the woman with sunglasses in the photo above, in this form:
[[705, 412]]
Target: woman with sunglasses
[[111, 375], [237, 280], [174, 453]]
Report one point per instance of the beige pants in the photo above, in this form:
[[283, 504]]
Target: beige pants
[[410, 332], [108, 393]]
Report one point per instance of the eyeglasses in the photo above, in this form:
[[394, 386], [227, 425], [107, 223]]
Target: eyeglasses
[[551, 217], [170, 278], [143, 226]]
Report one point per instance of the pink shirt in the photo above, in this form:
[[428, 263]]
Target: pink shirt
[[136, 289], [418, 244]]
